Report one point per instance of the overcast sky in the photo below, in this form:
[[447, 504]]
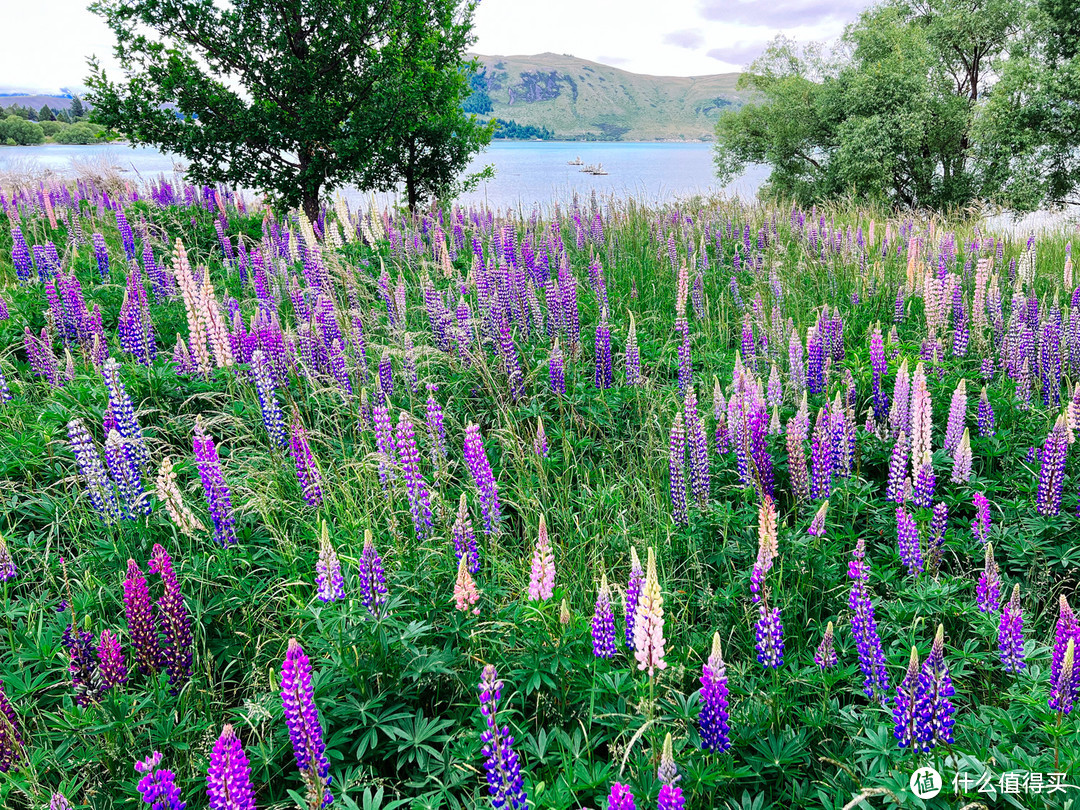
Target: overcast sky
[[46, 42]]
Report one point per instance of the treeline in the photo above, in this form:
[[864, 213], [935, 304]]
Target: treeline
[[512, 130], [24, 126]]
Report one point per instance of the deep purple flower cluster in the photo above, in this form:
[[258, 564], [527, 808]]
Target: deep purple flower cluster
[[123, 410], [934, 709], [83, 665], [158, 785], [20, 255], [769, 638], [980, 526], [501, 764], [111, 663], [713, 716], [228, 778], [10, 739], [698, 449], [99, 487], [486, 488], [1011, 634], [373, 591], [603, 623], [557, 370], [1052, 469], [864, 627], [302, 720], [307, 471], [985, 416], [409, 458], [602, 372], [436, 428], [174, 621], [273, 419], [677, 472], [907, 540], [214, 489], [141, 623]]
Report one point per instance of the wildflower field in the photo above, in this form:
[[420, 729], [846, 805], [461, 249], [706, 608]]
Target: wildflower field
[[603, 505]]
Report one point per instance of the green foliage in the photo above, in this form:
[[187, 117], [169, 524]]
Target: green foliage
[[21, 131], [81, 133], [270, 96], [514, 130]]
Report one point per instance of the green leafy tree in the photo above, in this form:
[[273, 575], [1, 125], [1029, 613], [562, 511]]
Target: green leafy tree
[[294, 97], [889, 116], [76, 110], [21, 131], [45, 114]]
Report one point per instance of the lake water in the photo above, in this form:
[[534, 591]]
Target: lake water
[[525, 172]]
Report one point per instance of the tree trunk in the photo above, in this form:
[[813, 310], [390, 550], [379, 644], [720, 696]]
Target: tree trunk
[[310, 203]]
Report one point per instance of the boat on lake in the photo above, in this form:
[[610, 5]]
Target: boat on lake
[[575, 162]]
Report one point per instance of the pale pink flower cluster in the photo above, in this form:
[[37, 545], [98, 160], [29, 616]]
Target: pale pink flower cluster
[[542, 576], [649, 621], [207, 331], [466, 594], [169, 494]]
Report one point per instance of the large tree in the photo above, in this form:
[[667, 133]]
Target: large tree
[[295, 97], [889, 117]]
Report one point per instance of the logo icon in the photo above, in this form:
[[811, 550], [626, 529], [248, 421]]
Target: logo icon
[[926, 783]]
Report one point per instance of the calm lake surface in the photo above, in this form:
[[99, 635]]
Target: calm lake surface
[[525, 172]]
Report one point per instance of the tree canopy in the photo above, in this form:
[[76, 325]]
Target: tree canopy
[[296, 97], [930, 103]]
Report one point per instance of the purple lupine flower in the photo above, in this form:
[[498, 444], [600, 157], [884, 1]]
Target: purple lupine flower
[[815, 368], [670, 798], [686, 369], [633, 595], [386, 374], [925, 482], [120, 403], [409, 458], [677, 472], [879, 366], [936, 541], [384, 442], [1052, 469], [957, 411], [329, 582], [59, 802], [907, 540], [633, 355], [7, 562], [980, 526], [464, 538], [307, 471], [1011, 633], [216, 492], [436, 429], [273, 419], [141, 623], [373, 591], [228, 778], [174, 620], [821, 457], [603, 623], [111, 662], [1066, 631], [935, 720], [713, 716], [302, 720], [864, 627], [11, 747], [20, 255], [825, 655], [602, 373], [988, 591], [698, 449], [158, 785], [817, 525], [800, 477], [477, 461], [123, 466], [620, 798], [1063, 687], [769, 638], [501, 764], [127, 237], [98, 486], [985, 416], [557, 369], [668, 772], [905, 714], [83, 665]]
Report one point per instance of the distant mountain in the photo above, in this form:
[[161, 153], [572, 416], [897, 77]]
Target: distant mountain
[[578, 99], [36, 100]]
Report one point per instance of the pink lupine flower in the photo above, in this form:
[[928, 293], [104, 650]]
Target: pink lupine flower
[[542, 576], [649, 621]]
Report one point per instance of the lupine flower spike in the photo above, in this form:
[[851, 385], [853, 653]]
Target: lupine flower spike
[[713, 717], [825, 656], [671, 795], [11, 750], [158, 785], [466, 594], [501, 764], [329, 582], [542, 574], [632, 595], [228, 779], [1011, 633], [7, 562], [620, 798], [302, 720], [603, 622], [649, 621], [988, 592], [373, 591]]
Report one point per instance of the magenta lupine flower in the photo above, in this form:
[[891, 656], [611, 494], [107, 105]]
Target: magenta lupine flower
[[436, 429], [409, 458], [477, 461], [620, 798], [698, 449], [464, 538], [769, 638], [11, 747], [329, 582], [557, 369], [817, 525], [111, 662], [985, 416], [677, 472], [542, 573], [216, 492], [821, 457], [158, 785], [603, 623], [1011, 633], [907, 540], [141, 623], [633, 595], [1052, 469], [864, 627], [174, 620], [670, 798], [501, 764], [825, 655], [228, 778], [302, 720], [713, 716], [988, 591], [98, 486], [935, 720], [373, 591], [59, 802], [905, 705], [273, 419], [980, 526]]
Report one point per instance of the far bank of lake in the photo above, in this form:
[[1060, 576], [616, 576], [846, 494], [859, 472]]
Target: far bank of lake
[[526, 172]]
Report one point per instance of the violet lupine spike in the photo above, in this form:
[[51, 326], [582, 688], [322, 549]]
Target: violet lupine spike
[[825, 655], [620, 798], [817, 525], [174, 621], [302, 720], [329, 582], [769, 638], [864, 627], [957, 412], [879, 366], [988, 591], [632, 595], [228, 777], [142, 624], [480, 468], [677, 472], [1066, 631], [83, 665], [962, 459], [907, 540], [934, 709], [11, 745], [670, 798], [542, 572], [980, 526], [1052, 469], [436, 429], [1011, 634], [111, 663], [464, 538], [59, 802], [98, 486], [373, 590], [895, 489], [698, 449], [384, 442], [713, 716], [602, 372], [409, 458], [158, 785], [120, 403], [540, 440], [7, 562], [668, 772], [905, 705], [273, 418], [501, 764], [686, 370], [603, 623], [123, 465], [557, 369], [307, 471], [821, 458], [1063, 688], [218, 499], [924, 484], [633, 355], [935, 543]]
